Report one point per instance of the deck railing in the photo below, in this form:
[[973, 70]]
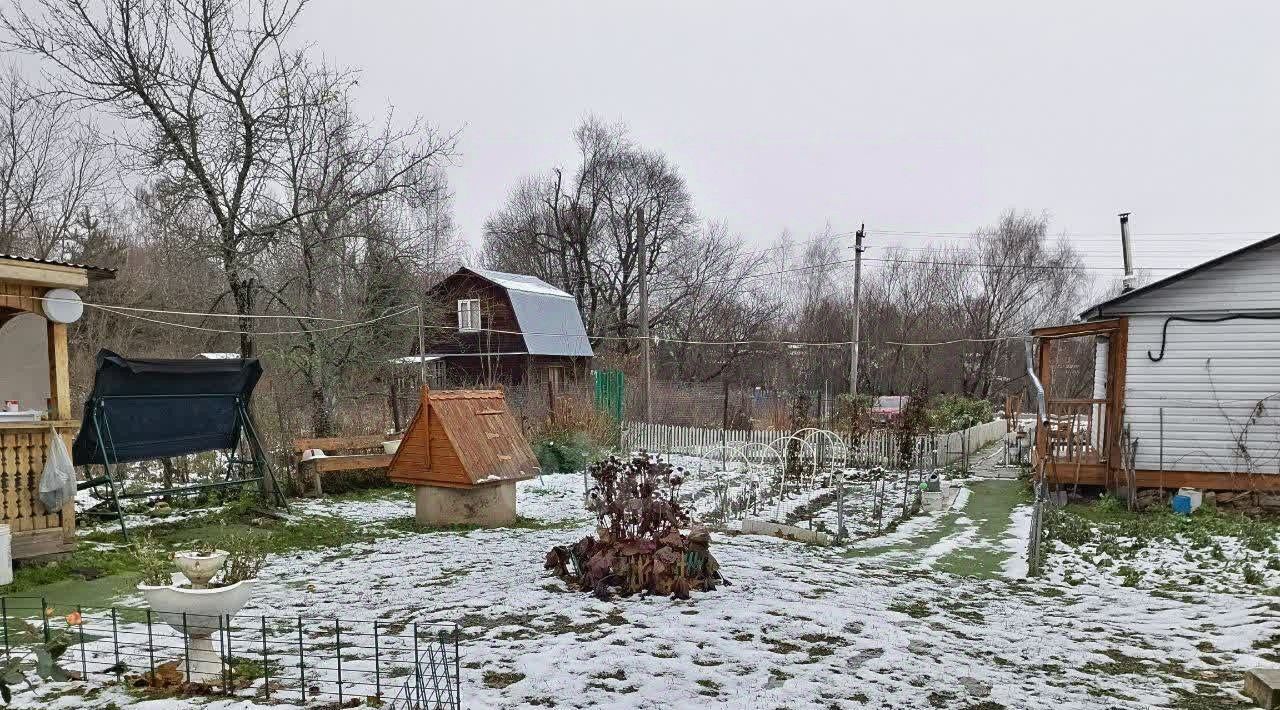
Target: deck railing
[[1077, 430]]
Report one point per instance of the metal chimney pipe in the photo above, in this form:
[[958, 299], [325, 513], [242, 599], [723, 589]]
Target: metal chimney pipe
[[1129, 279]]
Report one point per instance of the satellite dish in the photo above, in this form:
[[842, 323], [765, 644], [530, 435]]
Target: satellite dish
[[62, 305]]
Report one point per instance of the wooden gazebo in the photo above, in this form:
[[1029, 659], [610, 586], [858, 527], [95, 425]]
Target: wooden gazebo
[[24, 283]]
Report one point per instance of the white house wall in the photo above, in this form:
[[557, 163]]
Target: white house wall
[[1247, 283], [1209, 384]]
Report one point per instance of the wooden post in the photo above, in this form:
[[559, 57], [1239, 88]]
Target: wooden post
[[551, 398], [1042, 430], [1118, 357], [60, 409], [59, 376], [393, 398], [642, 254], [857, 311]]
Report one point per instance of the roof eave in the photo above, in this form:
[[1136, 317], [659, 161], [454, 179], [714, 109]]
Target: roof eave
[[1101, 309]]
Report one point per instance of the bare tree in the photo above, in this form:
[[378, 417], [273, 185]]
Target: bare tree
[[52, 170], [204, 86], [716, 296], [1021, 279], [580, 230], [347, 251]]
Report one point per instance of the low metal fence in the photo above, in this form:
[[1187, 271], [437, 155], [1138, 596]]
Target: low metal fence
[[879, 447], [407, 665]]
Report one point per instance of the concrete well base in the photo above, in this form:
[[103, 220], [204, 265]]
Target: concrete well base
[[482, 505], [1262, 685]]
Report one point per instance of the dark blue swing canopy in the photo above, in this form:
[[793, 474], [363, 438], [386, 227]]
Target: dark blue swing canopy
[[151, 408]]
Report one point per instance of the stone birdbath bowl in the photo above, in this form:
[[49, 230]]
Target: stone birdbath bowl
[[200, 567], [198, 611]]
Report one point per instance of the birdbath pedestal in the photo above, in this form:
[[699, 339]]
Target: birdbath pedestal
[[198, 612]]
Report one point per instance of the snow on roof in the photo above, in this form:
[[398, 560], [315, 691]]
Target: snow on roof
[[413, 359], [218, 356], [519, 282], [894, 401], [548, 318]]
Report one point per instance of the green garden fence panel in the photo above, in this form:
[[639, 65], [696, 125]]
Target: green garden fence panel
[[609, 389]]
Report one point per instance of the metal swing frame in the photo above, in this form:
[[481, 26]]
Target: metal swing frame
[[248, 434]]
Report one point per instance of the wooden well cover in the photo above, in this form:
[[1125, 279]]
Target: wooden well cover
[[463, 438]]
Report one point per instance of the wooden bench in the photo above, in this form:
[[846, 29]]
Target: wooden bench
[[342, 453]]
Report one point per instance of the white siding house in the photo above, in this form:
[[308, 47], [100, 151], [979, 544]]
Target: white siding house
[[1205, 396]]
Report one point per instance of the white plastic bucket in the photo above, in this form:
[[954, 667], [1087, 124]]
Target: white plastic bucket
[[390, 447], [6, 555]]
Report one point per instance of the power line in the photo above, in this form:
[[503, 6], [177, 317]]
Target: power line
[[1112, 235], [498, 331], [1048, 267], [188, 313], [842, 262], [1171, 250], [227, 331]]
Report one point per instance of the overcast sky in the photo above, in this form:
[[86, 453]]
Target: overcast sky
[[930, 117]]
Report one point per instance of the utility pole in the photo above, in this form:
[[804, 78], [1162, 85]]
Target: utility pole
[[422, 352], [643, 258], [857, 315]]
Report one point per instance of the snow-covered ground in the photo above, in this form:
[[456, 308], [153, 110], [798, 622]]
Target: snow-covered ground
[[878, 625], [810, 501]]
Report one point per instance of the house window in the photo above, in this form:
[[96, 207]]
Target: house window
[[469, 315]]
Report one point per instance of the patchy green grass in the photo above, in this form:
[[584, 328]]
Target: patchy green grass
[[990, 508], [111, 571], [1117, 542], [1071, 525], [84, 564], [917, 609], [408, 524], [497, 679]]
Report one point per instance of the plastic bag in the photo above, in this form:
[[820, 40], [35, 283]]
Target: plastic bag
[[58, 483]]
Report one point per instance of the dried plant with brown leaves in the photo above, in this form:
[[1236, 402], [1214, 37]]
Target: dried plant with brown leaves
[[639, 545]]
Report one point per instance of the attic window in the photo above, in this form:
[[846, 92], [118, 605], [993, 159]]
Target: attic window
[[468, 315]]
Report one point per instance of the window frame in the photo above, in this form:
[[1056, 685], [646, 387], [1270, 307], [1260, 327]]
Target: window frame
[[469, 317]]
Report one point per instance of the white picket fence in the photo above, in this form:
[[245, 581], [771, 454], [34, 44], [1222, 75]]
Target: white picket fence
[[876, 448]]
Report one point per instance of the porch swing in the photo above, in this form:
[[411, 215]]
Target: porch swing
[[142, 409]]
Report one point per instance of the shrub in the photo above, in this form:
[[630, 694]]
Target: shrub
[[913, 421], [575, 414], [246, 554], [567, 453], [853, 412], [1252, 576], [574, 437], [953, 412], [155, 566]]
